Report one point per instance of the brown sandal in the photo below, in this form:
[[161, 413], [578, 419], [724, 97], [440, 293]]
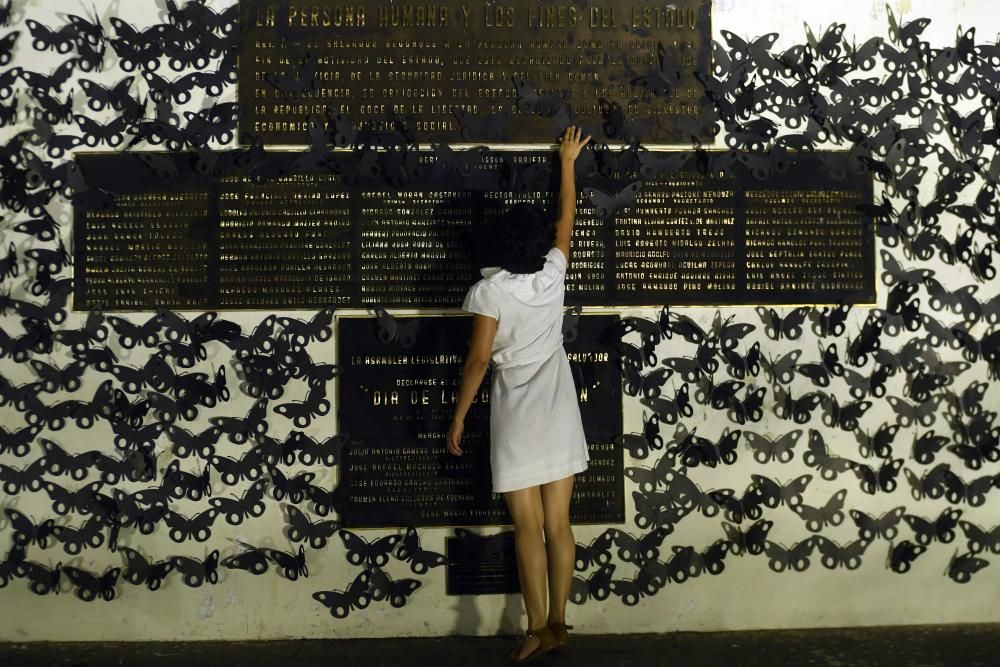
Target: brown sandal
[[562, 637], [547, 639]]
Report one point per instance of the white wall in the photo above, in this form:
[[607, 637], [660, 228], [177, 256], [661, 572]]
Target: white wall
[[747, 595]]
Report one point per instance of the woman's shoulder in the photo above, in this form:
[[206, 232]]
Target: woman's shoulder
[[557, 257], [479, 286]]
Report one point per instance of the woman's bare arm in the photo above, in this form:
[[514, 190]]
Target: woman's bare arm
[[569, 149]]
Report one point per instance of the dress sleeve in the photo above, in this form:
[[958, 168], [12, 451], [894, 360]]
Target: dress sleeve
[[479, 300], [555, 263]]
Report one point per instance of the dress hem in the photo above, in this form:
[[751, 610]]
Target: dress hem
[[540, 476]]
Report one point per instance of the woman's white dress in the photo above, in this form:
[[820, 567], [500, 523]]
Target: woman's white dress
[[536, 430]]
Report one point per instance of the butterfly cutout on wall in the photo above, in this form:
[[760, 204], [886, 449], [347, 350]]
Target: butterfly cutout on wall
[[390, 329], [355, 596], [607, 204]]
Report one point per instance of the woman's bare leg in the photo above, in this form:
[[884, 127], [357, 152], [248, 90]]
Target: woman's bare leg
[[525, 506], [559, 544]]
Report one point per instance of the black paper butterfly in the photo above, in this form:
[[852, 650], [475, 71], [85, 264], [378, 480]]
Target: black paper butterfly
[[941, 529], [294, 488], [751, 541], [639, 444], [397, 591], [302, 413], [962, 567], [781, 448], [301, 527], [254, 560], [669, 72], [420, 559], [43, 579], [236, 510], [902, 555], [195, 572], [835, 555], [979, 539], [607, 204], [74, 540], [781, 557], [617, 126], [89, 585], [638, 550], [831, 514], [26, 532], [776, 327], [141, 571], [773, 493], [328, 451], [529, 100], [649, 479], [629, 591], [393, 330], [292, 88], [781, 370], [184, 528], [797, 409], [360, 551], [355, 596], [597, 586], [596, 553]]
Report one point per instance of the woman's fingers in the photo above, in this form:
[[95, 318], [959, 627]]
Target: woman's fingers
[[573, 133]]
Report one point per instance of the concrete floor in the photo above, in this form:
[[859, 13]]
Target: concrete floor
[[916, 646]]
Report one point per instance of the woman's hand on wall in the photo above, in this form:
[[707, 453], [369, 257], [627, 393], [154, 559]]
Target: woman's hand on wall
[[570, 144]]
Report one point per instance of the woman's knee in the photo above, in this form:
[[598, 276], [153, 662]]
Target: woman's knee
[[556, 498], [557, 527], [525, 509], [529, 524]]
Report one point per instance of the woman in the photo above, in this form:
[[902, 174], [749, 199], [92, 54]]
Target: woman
[[537, 442]]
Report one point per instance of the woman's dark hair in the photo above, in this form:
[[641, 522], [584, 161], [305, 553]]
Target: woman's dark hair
[[519, 238]]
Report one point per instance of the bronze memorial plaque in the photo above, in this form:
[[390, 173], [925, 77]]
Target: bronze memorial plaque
[[481, 564], [509, 71], [171, 237], [396, 398]]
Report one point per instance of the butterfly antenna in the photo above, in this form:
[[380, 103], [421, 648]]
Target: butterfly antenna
[[97, 21]]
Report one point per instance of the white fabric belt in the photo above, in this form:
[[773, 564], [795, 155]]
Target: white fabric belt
[[521, 361]]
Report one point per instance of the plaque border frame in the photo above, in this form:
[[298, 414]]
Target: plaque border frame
[[438, 312], [712, 143], [336, 335]]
